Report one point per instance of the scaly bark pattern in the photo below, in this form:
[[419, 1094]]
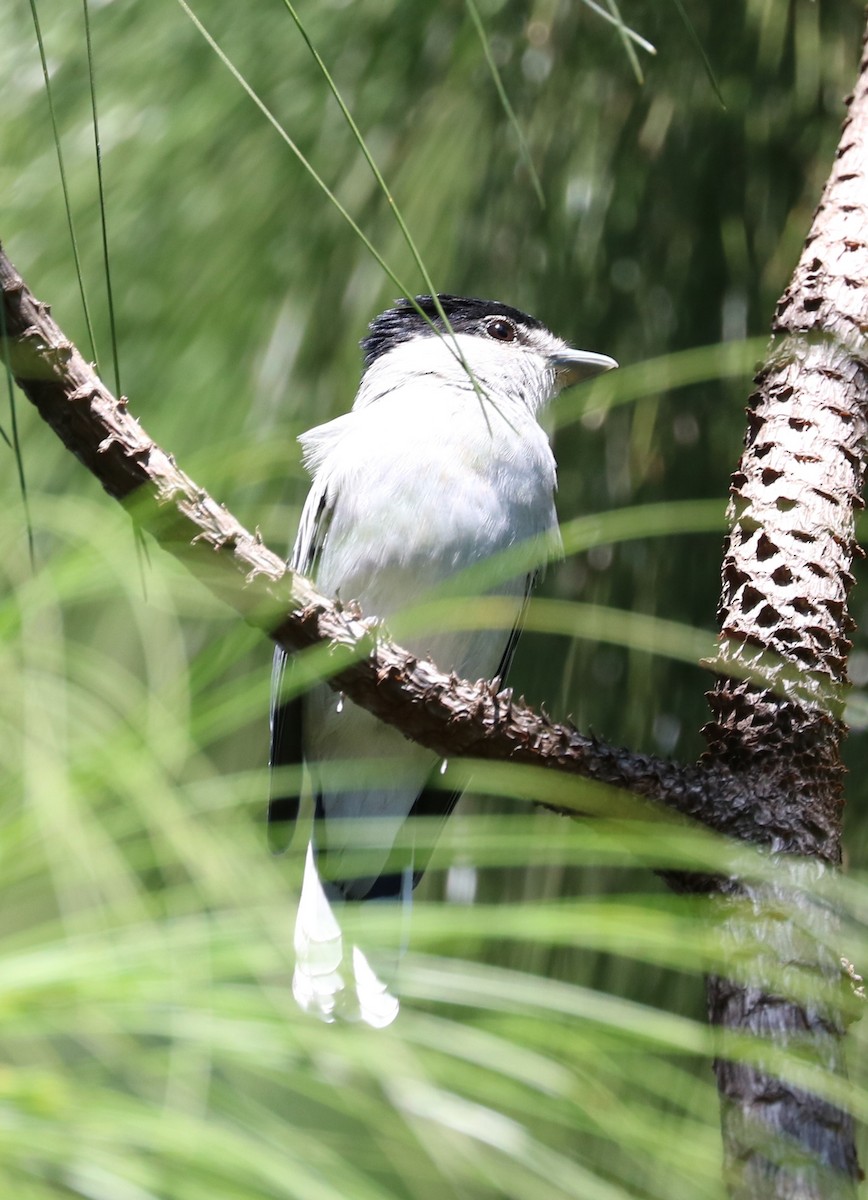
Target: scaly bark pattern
[[777, 706]]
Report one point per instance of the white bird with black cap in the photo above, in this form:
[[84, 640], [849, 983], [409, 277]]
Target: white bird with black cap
[[440, 464]]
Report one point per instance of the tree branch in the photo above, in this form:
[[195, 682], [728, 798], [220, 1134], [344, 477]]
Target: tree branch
[[450, 716]]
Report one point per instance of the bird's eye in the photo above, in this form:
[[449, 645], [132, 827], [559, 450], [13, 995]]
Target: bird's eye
[[501, 330]]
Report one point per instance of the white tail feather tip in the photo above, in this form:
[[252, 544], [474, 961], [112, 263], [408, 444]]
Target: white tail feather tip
[[318, 983]]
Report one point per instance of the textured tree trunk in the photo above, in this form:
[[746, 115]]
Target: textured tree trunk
[[777, 706]]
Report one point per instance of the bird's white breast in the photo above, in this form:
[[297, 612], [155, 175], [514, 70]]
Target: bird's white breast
[[423, 483]]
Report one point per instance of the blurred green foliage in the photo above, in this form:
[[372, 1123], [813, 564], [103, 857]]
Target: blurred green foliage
[[553, 1046]]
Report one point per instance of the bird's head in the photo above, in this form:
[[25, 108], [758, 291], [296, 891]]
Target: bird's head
[[505, 351]]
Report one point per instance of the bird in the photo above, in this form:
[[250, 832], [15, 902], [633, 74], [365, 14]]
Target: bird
[[440, 464]]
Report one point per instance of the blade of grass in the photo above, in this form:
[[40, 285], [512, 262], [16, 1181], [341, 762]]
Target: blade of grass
[[567, 618], [700, 364], [680, 9], [3, 434], [396, 212], [323, 186], [523, 148], [326, 190], [63, 182], [628, 45], [667, 519], [305, 162], [369, 158], [101, 195], [625, 30], [14, 445], [141, 545]]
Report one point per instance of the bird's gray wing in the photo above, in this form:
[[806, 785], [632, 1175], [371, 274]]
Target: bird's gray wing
[[285, 717], [499, 677]]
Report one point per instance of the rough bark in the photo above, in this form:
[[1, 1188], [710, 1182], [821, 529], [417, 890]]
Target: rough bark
[[783, 613]]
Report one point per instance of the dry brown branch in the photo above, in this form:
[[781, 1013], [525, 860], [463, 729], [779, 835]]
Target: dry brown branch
[[451, 716]]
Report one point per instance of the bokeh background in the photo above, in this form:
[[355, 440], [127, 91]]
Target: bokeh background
[[652, 207]]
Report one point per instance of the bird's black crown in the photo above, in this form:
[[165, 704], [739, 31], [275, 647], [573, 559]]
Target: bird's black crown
[[466, 314]]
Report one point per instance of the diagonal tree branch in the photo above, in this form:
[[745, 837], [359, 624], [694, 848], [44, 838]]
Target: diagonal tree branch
[[451, 716]]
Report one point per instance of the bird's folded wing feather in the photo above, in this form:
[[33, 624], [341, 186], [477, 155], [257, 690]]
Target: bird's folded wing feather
[[286, 714]]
